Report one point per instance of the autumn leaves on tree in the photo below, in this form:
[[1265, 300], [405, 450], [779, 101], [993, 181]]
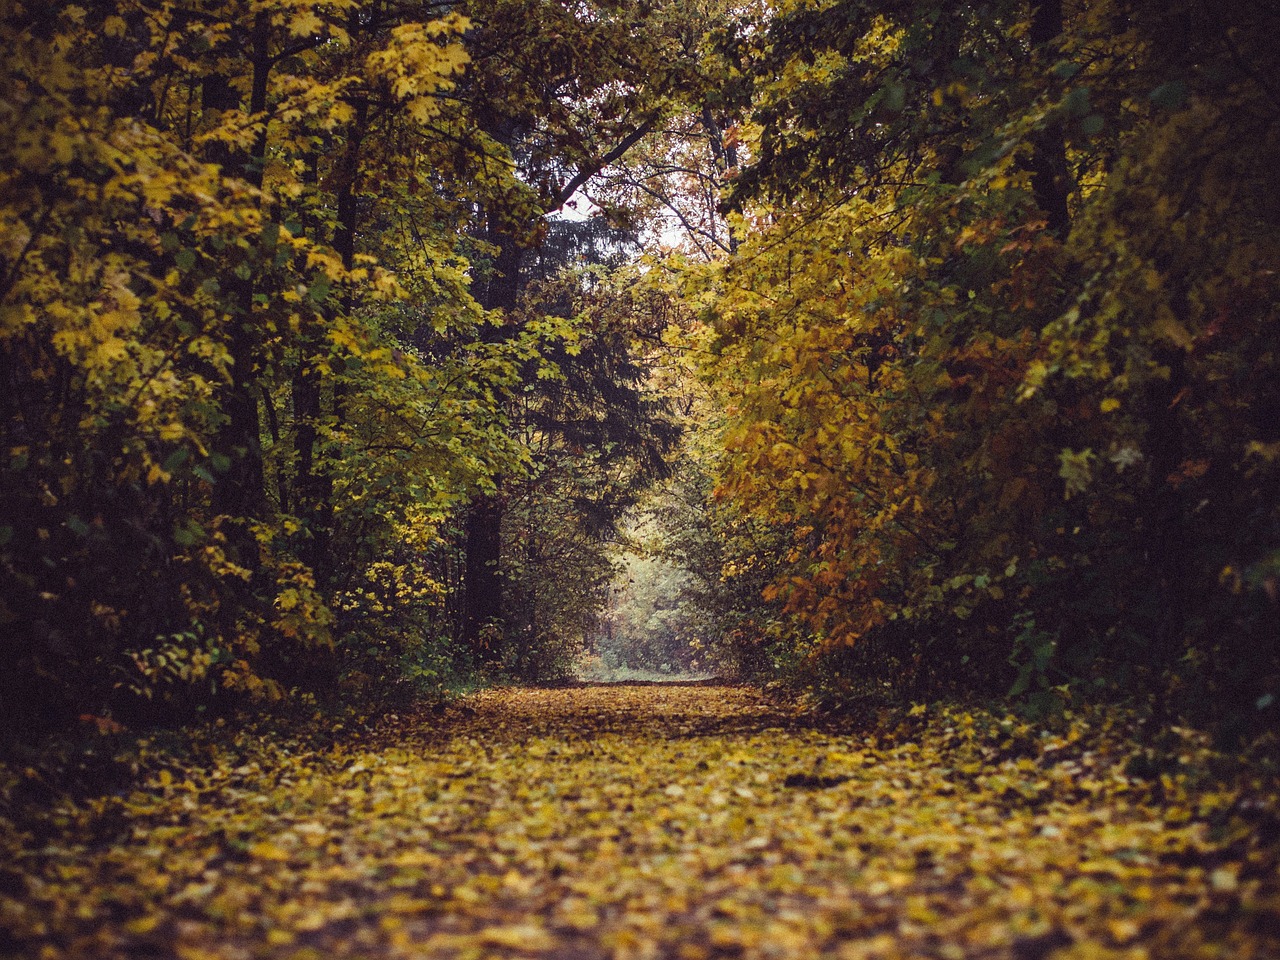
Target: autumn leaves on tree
[[261, 342], [992, 352], [311, 386]]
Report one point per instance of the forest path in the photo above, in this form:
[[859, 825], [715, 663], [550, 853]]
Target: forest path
[[654, 821]]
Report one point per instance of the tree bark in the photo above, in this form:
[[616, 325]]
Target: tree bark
[[482, 578], [314, 482], [483, 575], [241, 491], [1050, 174]]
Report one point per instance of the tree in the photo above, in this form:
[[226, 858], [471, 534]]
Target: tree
[[197, 339], [599, 435], [587, 84], [957, 343]]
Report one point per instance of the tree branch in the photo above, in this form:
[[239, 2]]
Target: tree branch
[[562, 195]]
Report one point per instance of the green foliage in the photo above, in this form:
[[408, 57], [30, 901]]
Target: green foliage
[[598, 435], [717, 562], [648, 625]]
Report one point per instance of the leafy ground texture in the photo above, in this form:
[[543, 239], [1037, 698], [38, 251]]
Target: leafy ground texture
[[658, 821]]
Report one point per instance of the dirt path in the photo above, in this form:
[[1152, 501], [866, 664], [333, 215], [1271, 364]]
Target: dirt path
[[654, 821]]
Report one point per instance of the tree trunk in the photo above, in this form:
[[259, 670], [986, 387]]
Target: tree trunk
[[1050, 174], [241, 491], [314, 481], [1166, 513], [483, 572], [483, 576]]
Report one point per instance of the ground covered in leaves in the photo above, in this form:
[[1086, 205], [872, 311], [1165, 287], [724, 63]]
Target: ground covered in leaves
[[657, 821]]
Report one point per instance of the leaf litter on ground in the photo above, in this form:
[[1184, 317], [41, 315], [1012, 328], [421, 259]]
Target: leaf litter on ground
[[651, 822]]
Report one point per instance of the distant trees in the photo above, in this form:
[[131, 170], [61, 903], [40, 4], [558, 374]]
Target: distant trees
[[599, 434]]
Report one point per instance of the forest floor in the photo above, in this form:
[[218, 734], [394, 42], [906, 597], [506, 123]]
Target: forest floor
[[685, 821]]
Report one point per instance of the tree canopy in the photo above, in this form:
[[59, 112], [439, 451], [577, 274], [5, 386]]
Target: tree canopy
[[996, 349], [342, 339]]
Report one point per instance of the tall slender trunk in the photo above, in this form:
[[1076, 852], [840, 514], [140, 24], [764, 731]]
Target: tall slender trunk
[[1165, 516], [305, 387], [314, 479], [482, 575], [483, 571], [241, 491], [1050, 174], [724, 156]]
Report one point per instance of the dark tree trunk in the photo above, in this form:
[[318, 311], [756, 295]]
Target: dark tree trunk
[[314, 481], [483, 575], [241, 491], [1050, 174], [1165, 515], [306, 388], [483, 571]]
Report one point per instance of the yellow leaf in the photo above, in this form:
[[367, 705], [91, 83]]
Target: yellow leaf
[[1224, 880], [525, 937], [143, 925], [305, 23], [265, 850], [402, 903]]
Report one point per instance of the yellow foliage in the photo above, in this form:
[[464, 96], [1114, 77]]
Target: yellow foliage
[[420, 61]]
